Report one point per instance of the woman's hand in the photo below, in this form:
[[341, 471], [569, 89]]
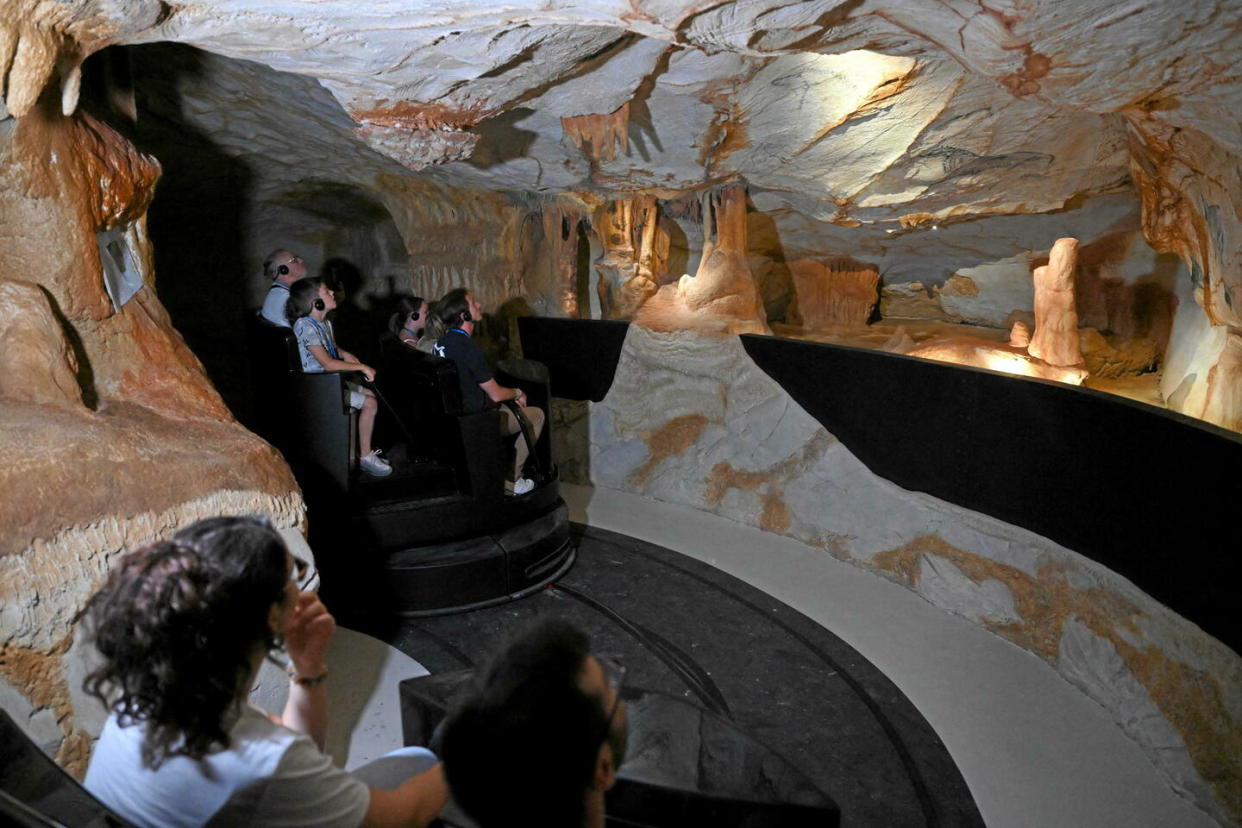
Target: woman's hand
[[308, 634]]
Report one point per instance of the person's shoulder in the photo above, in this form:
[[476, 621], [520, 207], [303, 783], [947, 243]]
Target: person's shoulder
[[453, 339]]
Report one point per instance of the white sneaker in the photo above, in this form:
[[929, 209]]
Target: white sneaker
[[375, 465], [523, 485]]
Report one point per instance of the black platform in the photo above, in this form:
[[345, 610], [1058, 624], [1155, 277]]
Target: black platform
[[689, 631], [436, 535]]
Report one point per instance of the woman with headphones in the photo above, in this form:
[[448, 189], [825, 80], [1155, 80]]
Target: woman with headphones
[[310, 302]]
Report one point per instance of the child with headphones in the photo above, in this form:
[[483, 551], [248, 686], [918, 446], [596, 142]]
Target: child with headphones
[[310, 301]]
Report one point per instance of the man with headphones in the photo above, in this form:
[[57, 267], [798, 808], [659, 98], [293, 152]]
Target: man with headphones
[[283, 269], [459, 312]]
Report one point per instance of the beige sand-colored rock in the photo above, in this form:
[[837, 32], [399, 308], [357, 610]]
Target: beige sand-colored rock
[[721, 297], [635, 250], [980, 353], [839, 291], [37, 364], [1055, 339], [1020, 335], [1115, 357]]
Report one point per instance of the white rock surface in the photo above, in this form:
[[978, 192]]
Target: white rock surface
[[691, 420]]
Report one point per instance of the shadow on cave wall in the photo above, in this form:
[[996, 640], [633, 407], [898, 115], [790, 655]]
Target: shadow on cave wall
[[196, 220]]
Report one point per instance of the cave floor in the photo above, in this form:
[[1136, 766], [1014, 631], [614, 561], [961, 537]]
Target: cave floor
[[687, 630], [882, 334], [796, 643]]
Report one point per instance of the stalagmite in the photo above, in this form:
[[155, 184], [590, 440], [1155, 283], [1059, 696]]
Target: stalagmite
[[1056, 319], [554, 271], [723, 286], [1020, 335]]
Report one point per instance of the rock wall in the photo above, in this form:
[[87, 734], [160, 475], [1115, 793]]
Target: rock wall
[[111, 433], [457, 238], [691, 420]]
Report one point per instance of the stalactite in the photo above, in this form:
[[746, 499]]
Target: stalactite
[[635, 255], [722, 296], [559, 256], [598, 135]]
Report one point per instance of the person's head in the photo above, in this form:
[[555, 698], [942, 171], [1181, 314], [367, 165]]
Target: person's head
[[281, 265], [307, 296], [179, 624], [411, 315], [541, 735], [458, 308]]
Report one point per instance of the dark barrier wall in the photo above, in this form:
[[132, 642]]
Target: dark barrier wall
[[1152, 495], [581, 354]]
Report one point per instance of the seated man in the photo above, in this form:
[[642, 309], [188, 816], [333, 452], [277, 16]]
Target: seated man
[[283, 269], [459, 312], [540, 738]]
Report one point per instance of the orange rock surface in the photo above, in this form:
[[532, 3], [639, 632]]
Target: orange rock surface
[[1055, 340]]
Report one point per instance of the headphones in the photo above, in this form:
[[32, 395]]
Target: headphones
[[318, 304], [465, 316], [283, 270]]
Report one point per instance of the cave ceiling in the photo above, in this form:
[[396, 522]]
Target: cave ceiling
[[891, 117]]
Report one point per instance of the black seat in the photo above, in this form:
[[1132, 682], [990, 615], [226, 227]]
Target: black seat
[[423, 394], [306, 416], [35, 791]]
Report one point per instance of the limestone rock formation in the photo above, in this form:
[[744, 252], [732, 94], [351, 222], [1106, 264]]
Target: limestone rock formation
[[1010, 359], [551, 262], [37, 365], [599, 135], [1223, 402], [1055, 340], [633, 252], [1020, 335], [721, 297], [840, 291], [525, 149], [1112, 357], [691, 420], [111, 433]]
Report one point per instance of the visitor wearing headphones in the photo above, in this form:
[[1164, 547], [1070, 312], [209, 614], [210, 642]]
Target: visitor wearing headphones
[[410, 321], [459, 312], [309, 304], [282, 268]]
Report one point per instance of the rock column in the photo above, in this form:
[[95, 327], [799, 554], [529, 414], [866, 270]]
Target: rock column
[[1055, 340]]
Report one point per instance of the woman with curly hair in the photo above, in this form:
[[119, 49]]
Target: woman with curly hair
[[182, 627]]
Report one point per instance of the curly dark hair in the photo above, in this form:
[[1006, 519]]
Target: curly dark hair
[[177, 623]]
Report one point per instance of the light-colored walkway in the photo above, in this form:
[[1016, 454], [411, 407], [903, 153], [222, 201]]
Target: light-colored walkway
[[1033, 749]]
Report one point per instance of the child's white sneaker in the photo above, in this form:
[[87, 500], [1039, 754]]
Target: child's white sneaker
[[375, 465]]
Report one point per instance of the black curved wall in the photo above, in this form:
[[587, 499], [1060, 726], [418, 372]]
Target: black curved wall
[[1149, 494]]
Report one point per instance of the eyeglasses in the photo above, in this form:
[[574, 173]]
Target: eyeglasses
[[301, 573], [614, 677]]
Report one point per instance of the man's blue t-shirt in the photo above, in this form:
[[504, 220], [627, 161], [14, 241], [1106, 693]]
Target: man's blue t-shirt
[[472, 368]]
